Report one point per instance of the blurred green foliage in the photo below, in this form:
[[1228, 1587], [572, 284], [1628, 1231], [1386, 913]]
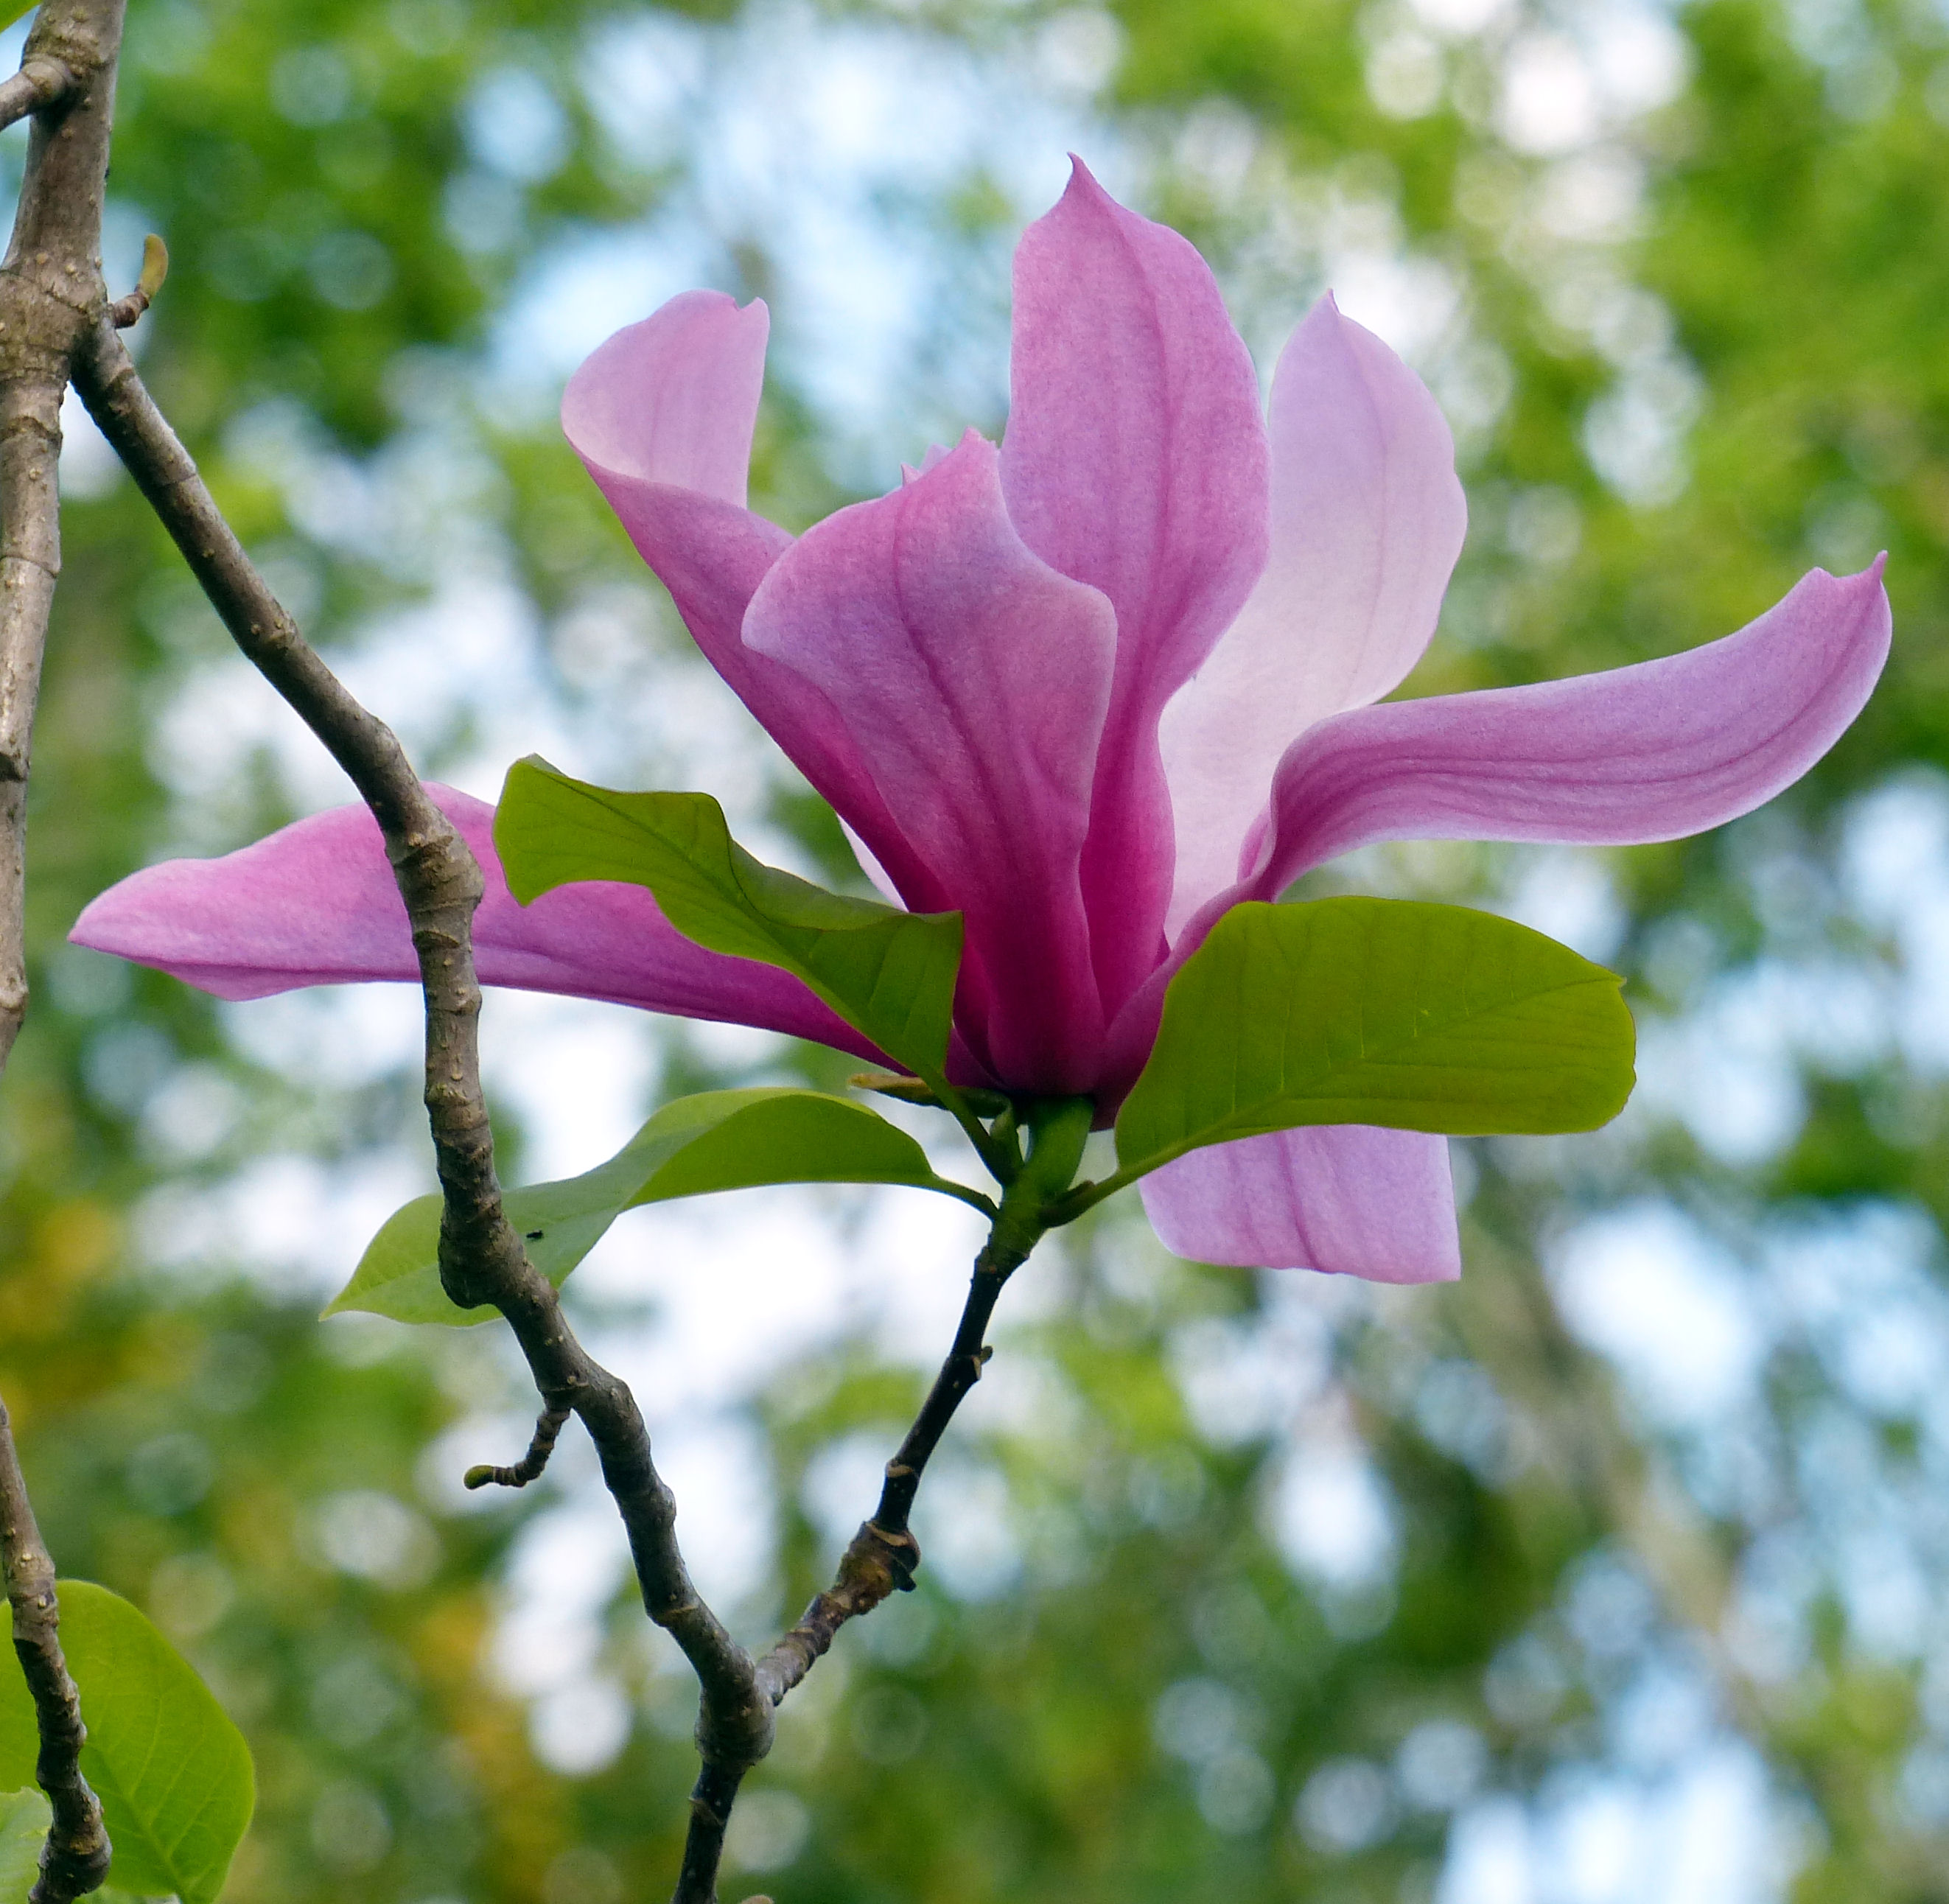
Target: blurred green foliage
[[1688, 353]]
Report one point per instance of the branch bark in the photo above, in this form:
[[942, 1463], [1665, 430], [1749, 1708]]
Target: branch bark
[[41, 82], [75, 1859], [51, 289]]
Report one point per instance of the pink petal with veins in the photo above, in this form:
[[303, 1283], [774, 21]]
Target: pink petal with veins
[[1367, 520], [663, 415], [1654, 752], [1135, 461], [972, 679], [314, 904], [1348, 1199]]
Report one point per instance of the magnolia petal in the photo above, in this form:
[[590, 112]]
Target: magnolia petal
[[973, 679], [314, 904], [674, 399], [1135, 461], [662, 415], [1348, 1199], [1367, 520], [1654, 752]]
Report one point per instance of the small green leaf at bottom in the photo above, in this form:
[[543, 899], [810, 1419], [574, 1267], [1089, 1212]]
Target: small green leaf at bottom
[[718, 1140], [24, 1819], [172, 1773], [1377, 1011]]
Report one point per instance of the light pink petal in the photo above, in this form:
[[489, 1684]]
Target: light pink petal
[[1349, 1199], [973, 680], [674, 399], [662, 415], [1136, 460], [1367, 520], [316, 905], [1654, 752]]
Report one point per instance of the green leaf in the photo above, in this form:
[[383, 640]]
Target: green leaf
[[8, 14], [719, 1140], [1377, 1011], [888, 974], [172, 1773], [24, 1818]]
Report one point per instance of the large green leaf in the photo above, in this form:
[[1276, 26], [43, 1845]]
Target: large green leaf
[[172, 1773], [24, 1818], [1377, 1011], [888, 974], [719, 1140]]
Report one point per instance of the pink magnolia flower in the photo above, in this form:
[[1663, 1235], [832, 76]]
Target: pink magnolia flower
[[1090, 687]]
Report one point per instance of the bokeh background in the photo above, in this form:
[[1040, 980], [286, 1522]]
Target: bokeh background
[[1616, 1574]]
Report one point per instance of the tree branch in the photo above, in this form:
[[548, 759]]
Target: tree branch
[[50, 284], [883, 1554], [40, 83], [74, 1861], [880, 1560], [482, 1259], [50, 288]]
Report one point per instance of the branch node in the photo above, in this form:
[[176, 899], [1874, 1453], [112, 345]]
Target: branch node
[[41, 82]]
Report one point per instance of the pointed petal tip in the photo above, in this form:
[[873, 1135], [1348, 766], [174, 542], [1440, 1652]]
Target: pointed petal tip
[[1087, 192]]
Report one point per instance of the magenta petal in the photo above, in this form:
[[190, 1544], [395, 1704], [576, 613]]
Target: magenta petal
[[663, 415], [1135, 461], [674, 399], [1654, 752], [973, 680], [1348, 1199], [1367, 520], [316, 905]]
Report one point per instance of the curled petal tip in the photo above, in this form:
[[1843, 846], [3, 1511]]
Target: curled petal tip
[[672, 399]]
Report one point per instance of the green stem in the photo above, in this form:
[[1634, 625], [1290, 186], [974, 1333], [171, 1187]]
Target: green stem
[[1086, 1196]]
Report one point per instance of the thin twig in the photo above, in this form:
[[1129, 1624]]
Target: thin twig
[[880, 1561], [125, 310], [883, 1554], [481, 1257], [532, 1464], [74, 1861], [40, 83]]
